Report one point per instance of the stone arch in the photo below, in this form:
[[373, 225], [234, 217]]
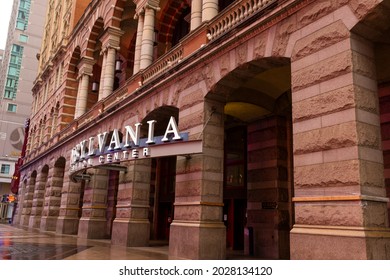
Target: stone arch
[[171, 12], [71, 87], [53, 194], [28, 198], [127, 42], [38, 197], [161, 115], [93, 41], [162, 173], [373, 32], [253, 98]]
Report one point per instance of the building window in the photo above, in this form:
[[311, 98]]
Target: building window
[[20, 25], [5, 168], [16, 48], [9, 94], [11, 107], [23, 38]]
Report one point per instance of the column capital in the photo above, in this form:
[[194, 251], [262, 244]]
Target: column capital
[[111, 38], [143, 4], [85, 66]]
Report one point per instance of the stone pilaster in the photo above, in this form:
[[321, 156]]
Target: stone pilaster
[[93, 221], [19, 208], [68, 219], [28, 200], [51, 207], [131, 226], [37, 205], [197, 231], [340, 201]]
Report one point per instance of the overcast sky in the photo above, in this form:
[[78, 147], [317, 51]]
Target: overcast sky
[[5, 12]]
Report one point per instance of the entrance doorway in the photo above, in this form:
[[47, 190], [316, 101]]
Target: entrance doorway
[[235, 188], [162, 197]]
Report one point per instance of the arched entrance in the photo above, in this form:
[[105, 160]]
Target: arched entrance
[[257, 184], [162, 179], [374, 34]]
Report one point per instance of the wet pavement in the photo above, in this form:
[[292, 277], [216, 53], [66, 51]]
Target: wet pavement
[[30, 244]]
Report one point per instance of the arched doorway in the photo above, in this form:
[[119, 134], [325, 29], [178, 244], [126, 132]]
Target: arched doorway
[[374, 34], [258, 172], [162, 179]]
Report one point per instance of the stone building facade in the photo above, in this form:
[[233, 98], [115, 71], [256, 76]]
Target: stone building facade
[[251, 125]]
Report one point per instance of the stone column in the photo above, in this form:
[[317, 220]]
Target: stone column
[[110, 44], [131, 226], [109, 72], [51, 206], [68, 219], [138, 42], [54, 117], [209, 9], [37, 204], [197, 231], [19, 209], [28, 200], [148, 37], [196, 14], [340, 200], [93, 220], [85, 71], [101, 83]]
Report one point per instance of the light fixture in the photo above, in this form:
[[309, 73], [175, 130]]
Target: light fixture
[[118, 66], [155, 37], [95, 86]]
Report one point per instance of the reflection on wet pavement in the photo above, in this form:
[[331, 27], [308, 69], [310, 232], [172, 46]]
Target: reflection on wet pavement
[[10, 250], [30, 244]]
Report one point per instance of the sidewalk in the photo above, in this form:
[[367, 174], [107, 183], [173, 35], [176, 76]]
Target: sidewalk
[[27, 244]]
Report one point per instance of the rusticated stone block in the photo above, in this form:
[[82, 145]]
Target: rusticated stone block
[[283, 35], [326, 103], [375, 214], [213, 141], [322, 71], [212, 164], [212, 190], [369, 135], [188, 212], [330, 174], [194, 164], [259, 45], [318, 10], [364, 65], [197, 241], [371, 175], [322, 247], [333, 137], [361, 8], [321, 39], [190, 121], [188, 188], [191, 99], [336, 213]]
